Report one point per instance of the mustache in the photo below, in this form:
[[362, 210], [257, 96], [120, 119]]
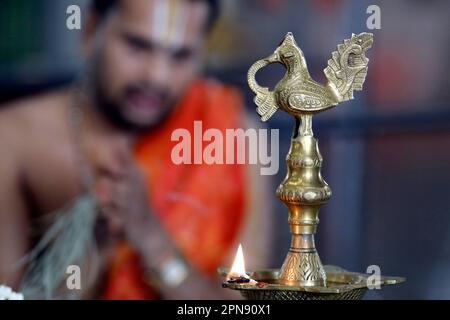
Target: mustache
[[161, 94]]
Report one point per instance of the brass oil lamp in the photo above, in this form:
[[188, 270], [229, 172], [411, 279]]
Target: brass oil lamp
[[303, 191]]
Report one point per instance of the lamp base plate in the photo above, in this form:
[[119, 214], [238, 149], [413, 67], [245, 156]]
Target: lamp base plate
[[340, 285]]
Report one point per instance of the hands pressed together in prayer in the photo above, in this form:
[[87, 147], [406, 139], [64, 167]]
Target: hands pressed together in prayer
[[125, 206], [123, 201]]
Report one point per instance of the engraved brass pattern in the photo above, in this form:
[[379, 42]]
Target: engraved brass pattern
[[304, 190], [302, 275]]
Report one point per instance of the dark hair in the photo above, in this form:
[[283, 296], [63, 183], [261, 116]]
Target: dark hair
[[102, 7]]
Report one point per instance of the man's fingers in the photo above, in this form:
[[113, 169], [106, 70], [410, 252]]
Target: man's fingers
[[109, 203]]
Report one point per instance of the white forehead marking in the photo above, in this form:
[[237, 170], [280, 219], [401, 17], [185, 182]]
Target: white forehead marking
[[159, 19], [170, 22], [181, 23]]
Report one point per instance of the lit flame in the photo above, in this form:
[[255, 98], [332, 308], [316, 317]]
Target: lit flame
[[238, 267]]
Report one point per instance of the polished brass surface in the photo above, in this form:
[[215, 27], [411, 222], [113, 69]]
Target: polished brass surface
[[304, 190], [297, 93], [340, 285]]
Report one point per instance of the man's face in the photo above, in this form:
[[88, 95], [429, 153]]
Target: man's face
[[144, 56]]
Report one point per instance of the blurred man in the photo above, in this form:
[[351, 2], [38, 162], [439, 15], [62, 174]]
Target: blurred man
[[88, 186]]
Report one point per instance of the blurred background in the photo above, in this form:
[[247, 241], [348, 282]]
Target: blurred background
[[386, 154]]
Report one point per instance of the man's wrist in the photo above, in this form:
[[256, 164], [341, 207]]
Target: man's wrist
[[164, 264]]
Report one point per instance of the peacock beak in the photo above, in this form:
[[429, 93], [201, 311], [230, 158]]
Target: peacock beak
[[273, 58]]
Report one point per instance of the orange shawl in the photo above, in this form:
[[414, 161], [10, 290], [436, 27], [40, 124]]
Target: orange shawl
[[201, 206]]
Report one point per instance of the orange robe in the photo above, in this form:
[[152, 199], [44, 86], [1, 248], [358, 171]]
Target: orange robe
[[201, 206]]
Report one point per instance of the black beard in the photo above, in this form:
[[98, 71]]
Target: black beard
[[112, 112]]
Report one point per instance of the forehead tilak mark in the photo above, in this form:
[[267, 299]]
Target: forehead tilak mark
[[170, 22]]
